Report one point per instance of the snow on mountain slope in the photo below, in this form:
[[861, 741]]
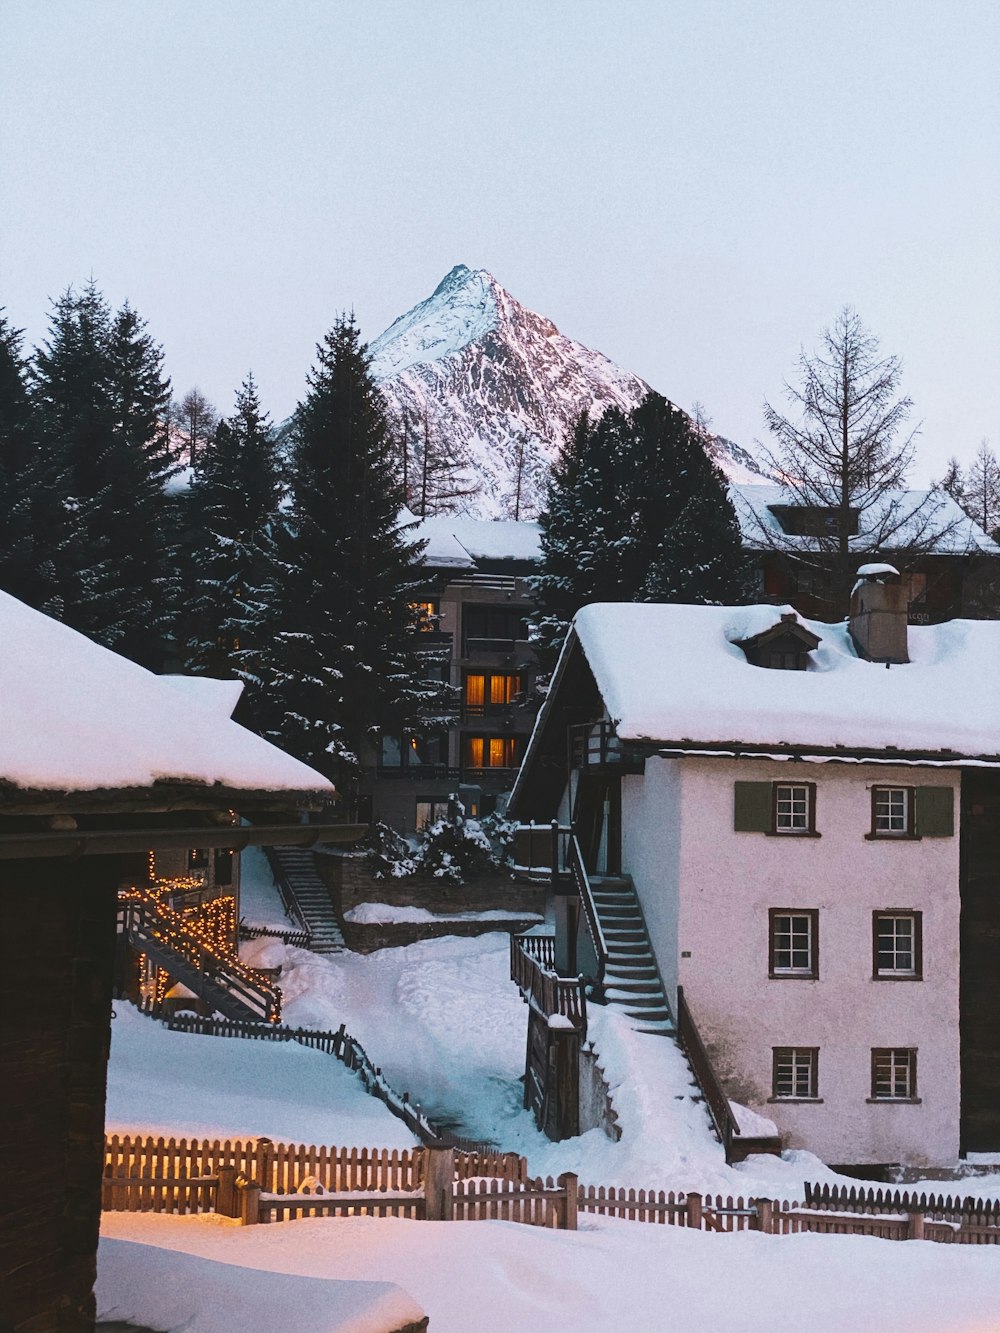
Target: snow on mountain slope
[[503, 386]]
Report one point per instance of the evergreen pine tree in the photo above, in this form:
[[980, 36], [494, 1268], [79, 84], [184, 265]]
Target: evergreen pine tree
[[333, 662], [636, 511], [101, 397], [31, 517], [233, 500]]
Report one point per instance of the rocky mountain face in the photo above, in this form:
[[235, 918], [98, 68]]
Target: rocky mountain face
[[471, 369]]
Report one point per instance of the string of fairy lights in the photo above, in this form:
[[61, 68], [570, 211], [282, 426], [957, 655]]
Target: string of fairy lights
[[204, 931]]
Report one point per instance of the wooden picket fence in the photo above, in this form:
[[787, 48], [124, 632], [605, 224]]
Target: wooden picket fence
[[257, 1180], [167, 1175]]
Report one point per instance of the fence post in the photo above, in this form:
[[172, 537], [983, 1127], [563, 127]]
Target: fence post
[[693, 1209], [765, 1215], [570, 1182], [249, 1200], [225, 1192], [265, 1158], [439, 1180], [915, 1226]]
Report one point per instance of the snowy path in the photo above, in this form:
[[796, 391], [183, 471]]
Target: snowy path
[[497, 1277]]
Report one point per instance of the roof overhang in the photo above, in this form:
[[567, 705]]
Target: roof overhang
[[70, 844]]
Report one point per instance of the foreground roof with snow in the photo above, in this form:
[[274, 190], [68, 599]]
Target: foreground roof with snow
[[75, 716], [675, 675], [896, 520]]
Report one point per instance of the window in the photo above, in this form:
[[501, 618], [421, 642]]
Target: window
[[892, 812], [912, 812], [493, 628], [426, 614], [794, 947], [785, 808], [897, 945], [793, 807], [894, 1075], [795, 1074], [490, 693], [492, 751], [429, 812], [198, 858]]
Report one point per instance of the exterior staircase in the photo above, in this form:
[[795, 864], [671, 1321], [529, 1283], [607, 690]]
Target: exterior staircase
[[632, 981], [295, 868]]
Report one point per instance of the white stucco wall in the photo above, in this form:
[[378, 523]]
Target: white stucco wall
[[706, 891]]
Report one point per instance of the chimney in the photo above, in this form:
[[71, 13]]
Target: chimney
[[879, 615]]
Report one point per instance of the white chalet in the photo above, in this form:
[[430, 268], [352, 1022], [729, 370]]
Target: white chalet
[[810, 816]]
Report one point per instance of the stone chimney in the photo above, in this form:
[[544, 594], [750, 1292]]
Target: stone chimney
[[879, 614]]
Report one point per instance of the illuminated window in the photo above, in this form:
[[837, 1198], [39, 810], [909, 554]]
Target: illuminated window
[[426, 614], [492, 751], [429, 812], [490, 692]]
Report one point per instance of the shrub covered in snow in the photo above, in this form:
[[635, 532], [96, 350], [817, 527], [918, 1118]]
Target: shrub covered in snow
[[389, 854], [456, 848]]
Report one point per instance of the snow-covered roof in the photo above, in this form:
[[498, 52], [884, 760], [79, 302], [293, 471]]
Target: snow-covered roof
[[219, 697], [75, 716], [673, 674], [917, 515], [461, 542]]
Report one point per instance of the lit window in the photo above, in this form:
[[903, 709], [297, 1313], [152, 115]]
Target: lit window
[[894, 1075], [897, 944], [492, 751], [795, 1073], [794, 950], [429, 812], [892, 811], [793, 808]]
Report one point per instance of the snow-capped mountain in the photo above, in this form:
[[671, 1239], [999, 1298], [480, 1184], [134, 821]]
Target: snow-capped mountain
[[503, 387]]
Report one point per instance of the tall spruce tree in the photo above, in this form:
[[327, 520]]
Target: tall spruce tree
[[233, 501], [333, 662], [101, 399], [636, 511], [32, 521]]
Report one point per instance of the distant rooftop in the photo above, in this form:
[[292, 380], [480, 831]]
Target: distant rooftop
[[462, 543], [918, 515]]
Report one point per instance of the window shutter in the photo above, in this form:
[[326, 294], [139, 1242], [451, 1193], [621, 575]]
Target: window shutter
[[935, 812], [752, 807]]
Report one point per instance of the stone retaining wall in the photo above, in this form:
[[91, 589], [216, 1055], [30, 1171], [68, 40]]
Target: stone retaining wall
[[349, 878], [369, 936]]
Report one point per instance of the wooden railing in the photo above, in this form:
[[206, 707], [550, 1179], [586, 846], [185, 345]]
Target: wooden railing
[[540, 947], [539, 851], [300, 939], [285, 890], [550, 994], [158, 930], [937, 1207], [581, 882], [725, 1122]]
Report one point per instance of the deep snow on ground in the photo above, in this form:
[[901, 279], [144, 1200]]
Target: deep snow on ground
[[260, 902], [174, 1083], [610, 1276]]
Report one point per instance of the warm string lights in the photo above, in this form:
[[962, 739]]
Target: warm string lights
[[204, 934]]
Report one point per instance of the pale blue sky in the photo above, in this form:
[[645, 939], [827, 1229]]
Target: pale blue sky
[[693, 188]]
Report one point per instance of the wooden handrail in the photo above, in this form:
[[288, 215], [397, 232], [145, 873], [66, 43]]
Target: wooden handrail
[[716, 1100], [581, 881], [545, 990]]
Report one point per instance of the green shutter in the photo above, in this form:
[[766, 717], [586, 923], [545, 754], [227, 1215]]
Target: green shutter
[[753, 807], [935, 811]]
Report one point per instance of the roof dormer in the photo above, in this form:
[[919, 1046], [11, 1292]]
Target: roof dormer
[[784, 647]]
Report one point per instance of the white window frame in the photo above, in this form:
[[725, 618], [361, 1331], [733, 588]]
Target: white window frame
[[895, 1071], [794, 933], [895, 818], [800, 1062], [799, 794], [883, 919]]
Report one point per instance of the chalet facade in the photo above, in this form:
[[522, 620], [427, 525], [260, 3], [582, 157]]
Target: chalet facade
[[808, 814], [474, 599]]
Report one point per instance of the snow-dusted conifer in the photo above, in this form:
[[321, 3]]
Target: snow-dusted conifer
[[100, 397], [636, 511], [233, 501], [333, 662]]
